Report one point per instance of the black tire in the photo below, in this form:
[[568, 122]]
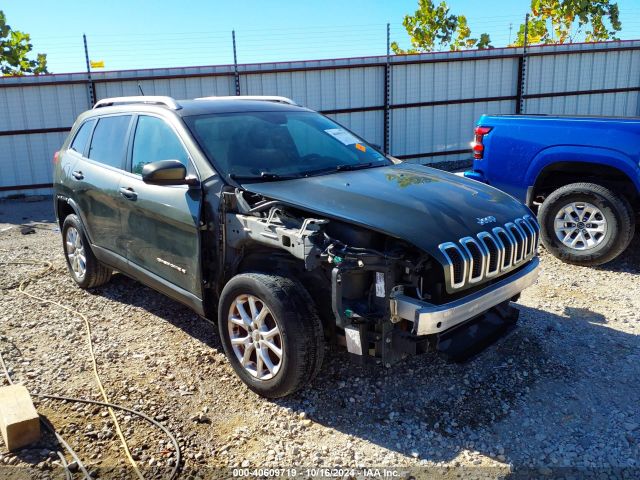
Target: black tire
[[617, 212], [301, 333], [96, 274]]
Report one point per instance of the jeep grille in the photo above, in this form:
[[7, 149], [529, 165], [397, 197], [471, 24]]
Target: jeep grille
[[472, 260]]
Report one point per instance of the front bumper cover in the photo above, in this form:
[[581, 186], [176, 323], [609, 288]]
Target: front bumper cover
[[430, 319]]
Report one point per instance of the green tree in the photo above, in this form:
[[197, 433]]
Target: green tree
[[15, 46], [434, 28], [561, 21]]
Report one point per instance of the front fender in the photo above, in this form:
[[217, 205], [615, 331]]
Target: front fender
[[577, 153]]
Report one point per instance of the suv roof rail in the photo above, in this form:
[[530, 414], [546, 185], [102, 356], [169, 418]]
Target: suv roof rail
[[152, 99], [264, 98]]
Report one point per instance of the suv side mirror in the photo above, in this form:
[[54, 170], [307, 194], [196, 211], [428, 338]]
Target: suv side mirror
[[166, 172]]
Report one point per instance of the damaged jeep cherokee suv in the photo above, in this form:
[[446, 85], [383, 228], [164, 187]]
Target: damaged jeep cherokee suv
[[289, 230]]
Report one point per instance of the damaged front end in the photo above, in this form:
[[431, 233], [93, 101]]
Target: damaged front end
[[388, 299]]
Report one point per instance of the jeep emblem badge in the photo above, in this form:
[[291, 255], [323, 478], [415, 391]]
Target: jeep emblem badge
[[485, 220]]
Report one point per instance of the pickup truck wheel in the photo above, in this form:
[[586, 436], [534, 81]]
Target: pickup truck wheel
[[84, 267], [586, 224], [271, 333]]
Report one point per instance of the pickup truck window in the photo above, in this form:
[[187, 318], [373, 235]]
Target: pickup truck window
[[285, 144], [155, 140], [107, 144]]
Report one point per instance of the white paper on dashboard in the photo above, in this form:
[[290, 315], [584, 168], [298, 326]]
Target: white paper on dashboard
[[342, 136]]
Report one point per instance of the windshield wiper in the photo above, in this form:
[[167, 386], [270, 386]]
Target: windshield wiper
[[343, 168], [353, 166], [263, 177]]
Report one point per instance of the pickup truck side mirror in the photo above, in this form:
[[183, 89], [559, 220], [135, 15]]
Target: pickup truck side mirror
[[166, 172]]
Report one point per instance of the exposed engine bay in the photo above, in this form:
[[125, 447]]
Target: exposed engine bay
[[357, 271]]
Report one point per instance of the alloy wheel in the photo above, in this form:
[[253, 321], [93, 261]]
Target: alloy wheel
[[75, 252], [255, 337], [580, 226]]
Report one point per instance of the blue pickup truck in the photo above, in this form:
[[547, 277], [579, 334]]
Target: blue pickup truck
[[580, 175]]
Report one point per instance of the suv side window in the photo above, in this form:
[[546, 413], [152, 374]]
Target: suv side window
[[109, 138], [79, 143], [155, 140]]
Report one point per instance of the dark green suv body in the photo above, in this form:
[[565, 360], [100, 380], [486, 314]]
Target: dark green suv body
[[290, 230]]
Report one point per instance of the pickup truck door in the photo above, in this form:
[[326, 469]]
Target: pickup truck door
[[160, 223]]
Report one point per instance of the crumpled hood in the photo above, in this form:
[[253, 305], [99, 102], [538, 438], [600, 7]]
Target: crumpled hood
[[421, 205]]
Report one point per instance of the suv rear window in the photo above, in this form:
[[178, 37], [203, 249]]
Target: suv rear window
[[107, 144], [79, 143]]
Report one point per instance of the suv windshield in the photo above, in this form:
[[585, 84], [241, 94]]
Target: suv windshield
[[280, 145]]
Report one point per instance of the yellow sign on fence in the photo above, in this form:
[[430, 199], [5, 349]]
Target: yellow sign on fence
[[97, 64]]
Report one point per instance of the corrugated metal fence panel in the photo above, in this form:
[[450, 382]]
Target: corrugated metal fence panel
[[321, 89], [28, 159], [615, 71], [587, 71], [37, 107], [439, 128], [432, 82], [189, 87], [435, 99], [608, 104]]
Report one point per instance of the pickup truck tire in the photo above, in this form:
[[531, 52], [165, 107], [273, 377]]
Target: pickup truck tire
[[614, 211], [85, 269], [248, 341]]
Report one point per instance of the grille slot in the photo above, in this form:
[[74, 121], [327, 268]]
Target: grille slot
[[493, 251], [507, 242], [477, 256], [473, 259], [520, 242], [535, 229], [457, 263], [529, 233]]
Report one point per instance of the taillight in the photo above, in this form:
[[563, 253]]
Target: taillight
[[477, 146], [56, 157]]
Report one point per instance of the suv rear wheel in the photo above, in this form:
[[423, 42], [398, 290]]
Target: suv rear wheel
[[271, 333], [586, 224], [84, 267]]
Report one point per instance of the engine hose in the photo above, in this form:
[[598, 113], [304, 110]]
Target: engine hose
[[21, 288]]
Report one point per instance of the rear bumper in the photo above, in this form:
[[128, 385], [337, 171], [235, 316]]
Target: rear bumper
[[430, 319]]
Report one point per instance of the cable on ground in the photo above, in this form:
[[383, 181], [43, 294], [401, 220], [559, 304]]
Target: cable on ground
[[21, 288], [61, 440]]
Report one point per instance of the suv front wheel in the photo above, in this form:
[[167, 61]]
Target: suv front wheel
[[586, 224], [84, 267], [271, 333]]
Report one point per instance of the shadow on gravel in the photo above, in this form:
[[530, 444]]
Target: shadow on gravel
[[123, 289], [534, 391], [30, 210], [629, 261], [585, 315]]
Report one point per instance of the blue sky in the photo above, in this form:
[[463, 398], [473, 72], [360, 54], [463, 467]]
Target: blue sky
[[163, 33]]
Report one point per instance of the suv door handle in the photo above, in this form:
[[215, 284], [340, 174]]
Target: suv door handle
[[128, 193], [77, 175]]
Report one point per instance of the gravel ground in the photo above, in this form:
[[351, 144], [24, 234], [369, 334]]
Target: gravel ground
[[558, 397]]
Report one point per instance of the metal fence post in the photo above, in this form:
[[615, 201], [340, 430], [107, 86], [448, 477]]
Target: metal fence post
[[91, 88], [236, 76], [522, 70], [387, 95]]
